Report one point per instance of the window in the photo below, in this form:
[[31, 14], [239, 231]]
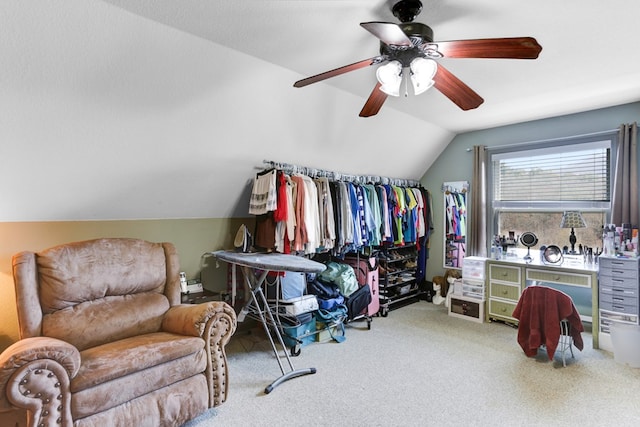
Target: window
[[531, 185]]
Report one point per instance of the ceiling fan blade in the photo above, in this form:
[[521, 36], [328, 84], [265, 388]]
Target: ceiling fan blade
[[374, 103], [506, 48], [338, 71], [387, 32], [454, 89]]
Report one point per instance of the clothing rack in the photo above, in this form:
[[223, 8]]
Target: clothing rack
[[337, 176]]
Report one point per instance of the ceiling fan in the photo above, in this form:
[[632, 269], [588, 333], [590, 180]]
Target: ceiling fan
[[410, 45]]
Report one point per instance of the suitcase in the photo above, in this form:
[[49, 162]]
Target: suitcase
[[366, 270]]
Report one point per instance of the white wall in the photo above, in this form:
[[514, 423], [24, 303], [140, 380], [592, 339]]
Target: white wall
[[113, 116]]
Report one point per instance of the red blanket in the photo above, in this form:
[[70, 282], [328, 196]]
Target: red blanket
[[540, 310]]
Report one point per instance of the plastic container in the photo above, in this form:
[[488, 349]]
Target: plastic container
[[625, 339], [473, 267]]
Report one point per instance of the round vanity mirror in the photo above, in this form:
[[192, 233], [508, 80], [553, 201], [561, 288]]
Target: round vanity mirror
[[552, 255], [528, 239]]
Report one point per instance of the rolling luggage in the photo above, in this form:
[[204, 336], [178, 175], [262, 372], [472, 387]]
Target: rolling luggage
[[366, 270]]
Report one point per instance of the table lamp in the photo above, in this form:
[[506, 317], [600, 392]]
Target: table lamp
[[572, 219]]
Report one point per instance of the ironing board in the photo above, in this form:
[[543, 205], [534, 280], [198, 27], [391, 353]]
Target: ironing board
[[256, 267]]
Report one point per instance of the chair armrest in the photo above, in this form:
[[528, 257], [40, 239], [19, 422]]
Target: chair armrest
[[215, 322], [192, 319], [35, 374]]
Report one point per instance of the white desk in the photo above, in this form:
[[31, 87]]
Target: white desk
[[256, 267], [508, 277]]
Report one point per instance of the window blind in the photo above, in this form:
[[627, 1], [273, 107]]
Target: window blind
[[567, 173]]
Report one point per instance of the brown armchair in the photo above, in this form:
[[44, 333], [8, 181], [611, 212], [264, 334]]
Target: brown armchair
[[106, 342]]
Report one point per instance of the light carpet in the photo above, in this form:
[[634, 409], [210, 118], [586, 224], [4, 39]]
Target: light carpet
[[421, 367]]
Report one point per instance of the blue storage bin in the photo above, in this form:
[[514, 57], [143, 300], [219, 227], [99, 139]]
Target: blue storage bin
[[304, 332]]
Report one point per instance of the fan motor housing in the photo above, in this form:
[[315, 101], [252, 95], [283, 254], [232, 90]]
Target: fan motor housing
[[407, 10], [418, 33], [417, 29]]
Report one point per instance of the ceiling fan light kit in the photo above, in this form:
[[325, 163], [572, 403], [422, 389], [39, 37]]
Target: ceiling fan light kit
[[421, 71], [410, 45]]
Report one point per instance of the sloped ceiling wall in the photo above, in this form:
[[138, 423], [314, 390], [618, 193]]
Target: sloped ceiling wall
[[131, 109], [113, 116]]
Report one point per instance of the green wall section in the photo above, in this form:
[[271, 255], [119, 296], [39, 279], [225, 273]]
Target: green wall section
[[192, 238], [455, 163]]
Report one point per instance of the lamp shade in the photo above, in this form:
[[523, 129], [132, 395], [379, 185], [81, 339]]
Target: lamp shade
[[572, 219], [422, 72], [390, 77]]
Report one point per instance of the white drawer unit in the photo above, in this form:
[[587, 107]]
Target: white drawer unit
[[467, 308], [619, 289], [473, 288], [474, 268], [468, 299]]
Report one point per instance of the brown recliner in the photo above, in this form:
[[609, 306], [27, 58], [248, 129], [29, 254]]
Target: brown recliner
[[105, 340]]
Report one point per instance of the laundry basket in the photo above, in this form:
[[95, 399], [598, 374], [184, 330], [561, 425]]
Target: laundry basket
[[625, 339]]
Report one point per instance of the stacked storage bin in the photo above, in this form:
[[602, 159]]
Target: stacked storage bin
[[468, 297], [619, 289]]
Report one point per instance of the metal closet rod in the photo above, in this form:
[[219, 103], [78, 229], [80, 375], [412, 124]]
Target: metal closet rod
[[337, 176]]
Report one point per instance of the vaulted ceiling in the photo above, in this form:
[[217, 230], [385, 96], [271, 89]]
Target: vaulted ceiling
[[121, 109]]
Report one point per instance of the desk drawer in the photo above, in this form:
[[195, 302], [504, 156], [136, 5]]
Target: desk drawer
[[606, 317], [502, 308], [509, 292], [561, 278], [607, 263], [619, 307], [619, 283], [505, 273], [619, 273], [617, 298]]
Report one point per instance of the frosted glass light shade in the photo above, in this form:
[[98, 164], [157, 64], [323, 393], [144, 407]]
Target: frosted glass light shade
[[390, 77], [422, 72]]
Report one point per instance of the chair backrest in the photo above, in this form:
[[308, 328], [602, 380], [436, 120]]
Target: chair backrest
[[540, 310], [97, 291]]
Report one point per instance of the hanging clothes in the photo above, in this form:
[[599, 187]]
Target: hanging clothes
[[400, 215], [385, 229], [461, 229], [285, 227], [311, 215], [300, 236], [264, 194], [327, 219], [451, 220], [375, 235], [410, 233], [355, 214]]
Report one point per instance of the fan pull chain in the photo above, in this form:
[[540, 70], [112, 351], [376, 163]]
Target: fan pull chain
[[406, 85]]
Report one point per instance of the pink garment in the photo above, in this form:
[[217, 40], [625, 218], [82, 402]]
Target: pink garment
[[540, 310]]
